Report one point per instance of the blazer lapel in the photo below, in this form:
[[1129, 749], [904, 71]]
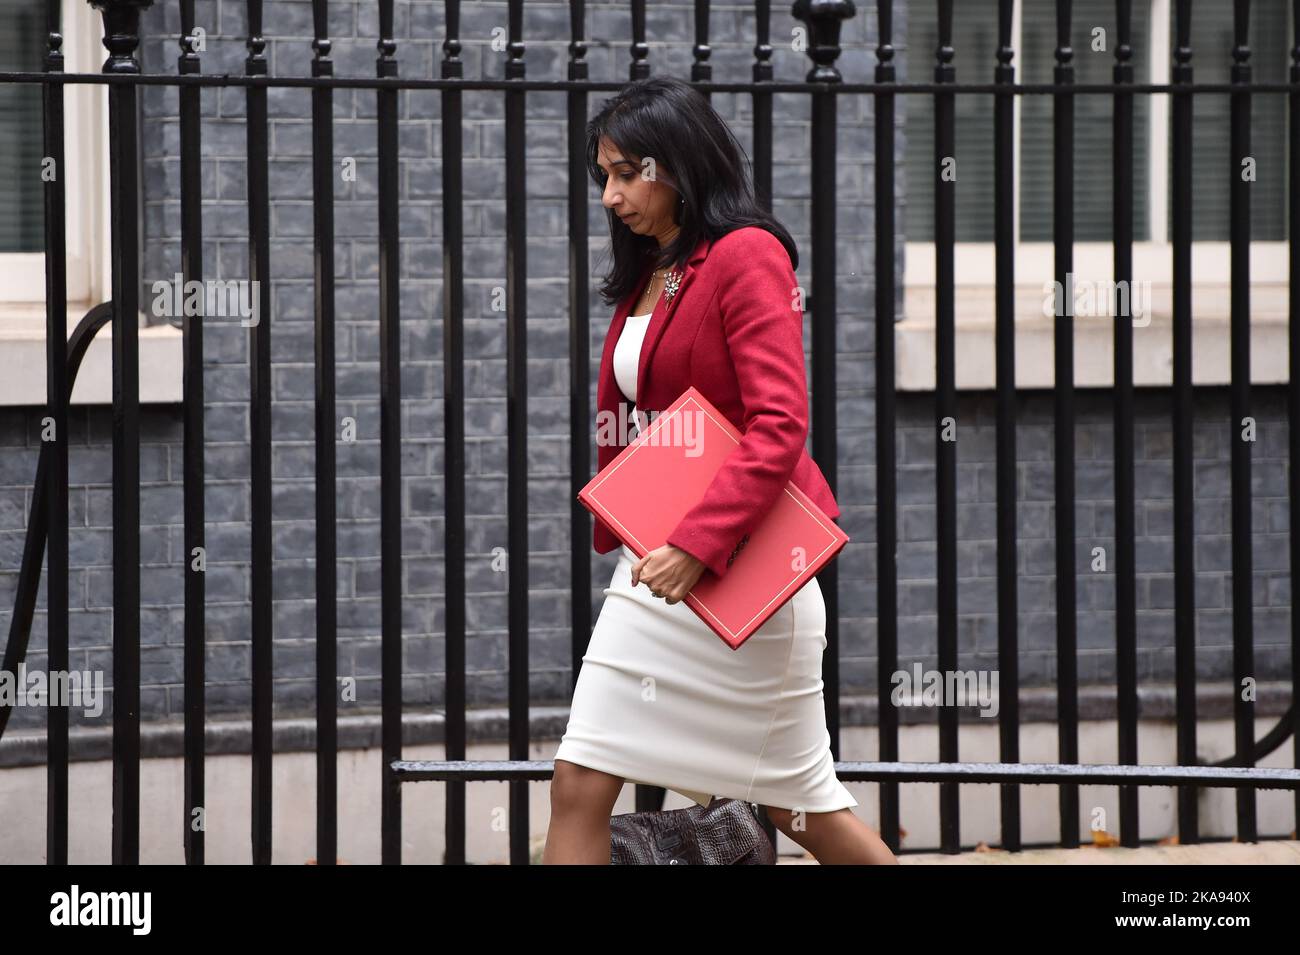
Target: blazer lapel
[[663, 311], [607, 393]]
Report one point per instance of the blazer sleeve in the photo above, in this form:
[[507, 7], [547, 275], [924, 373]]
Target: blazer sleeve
[[764, 333]]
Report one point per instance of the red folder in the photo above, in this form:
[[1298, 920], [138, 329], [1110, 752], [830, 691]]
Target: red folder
[[648, 488]]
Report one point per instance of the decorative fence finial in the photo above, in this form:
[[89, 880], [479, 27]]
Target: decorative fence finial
[[121, 33], [822, 17]]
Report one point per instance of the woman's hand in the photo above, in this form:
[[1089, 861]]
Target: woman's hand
[[668, 571]]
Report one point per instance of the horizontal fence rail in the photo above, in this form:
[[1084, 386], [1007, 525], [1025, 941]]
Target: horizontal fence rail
[[858, 771], [827, 90]]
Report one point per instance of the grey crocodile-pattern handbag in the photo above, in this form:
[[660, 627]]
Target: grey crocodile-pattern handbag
[[725, 832]]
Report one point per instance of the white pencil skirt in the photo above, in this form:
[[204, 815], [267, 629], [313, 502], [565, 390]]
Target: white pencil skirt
[[661, 700]]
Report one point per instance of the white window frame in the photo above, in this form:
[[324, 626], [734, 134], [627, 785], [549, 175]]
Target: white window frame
[[88, 240], [85, 105], [974, 266]]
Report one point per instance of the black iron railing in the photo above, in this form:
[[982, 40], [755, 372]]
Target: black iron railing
[[826, 88]]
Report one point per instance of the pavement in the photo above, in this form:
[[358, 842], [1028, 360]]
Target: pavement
[[1272, 852]]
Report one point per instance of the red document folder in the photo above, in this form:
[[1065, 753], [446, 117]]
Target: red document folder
[[648, 488]]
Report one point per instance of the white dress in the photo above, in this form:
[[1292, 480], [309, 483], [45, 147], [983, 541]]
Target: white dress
[[661, 700]]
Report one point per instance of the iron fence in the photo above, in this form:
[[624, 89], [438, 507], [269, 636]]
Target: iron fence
[[826, 89]]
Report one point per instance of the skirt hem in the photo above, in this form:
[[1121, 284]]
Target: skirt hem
[[763, 795]]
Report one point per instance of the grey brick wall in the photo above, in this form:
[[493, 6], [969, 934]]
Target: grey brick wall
[[419, 31], [1094, 516]]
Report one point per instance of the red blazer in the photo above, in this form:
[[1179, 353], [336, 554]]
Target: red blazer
[[734, 330]]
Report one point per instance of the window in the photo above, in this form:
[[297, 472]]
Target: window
[[1093, 40], [22, 227], [22, 234], [975, 42]]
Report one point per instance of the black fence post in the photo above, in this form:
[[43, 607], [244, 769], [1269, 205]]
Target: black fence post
[[1184, 488], [762, 104], [327, 430], [517, 424], [121, 37], [822, 22], [1067, 644], [390, 440], [259, 428], [946, 433], [1293, 386], [1125, 549], [56, 401], [1005, 351], [453, 403], [580, 526], [195, 555], [1242, 423]]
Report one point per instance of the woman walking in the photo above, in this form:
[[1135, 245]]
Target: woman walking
[[706, 295]]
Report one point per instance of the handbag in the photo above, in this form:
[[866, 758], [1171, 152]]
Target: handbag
[[725, 832]]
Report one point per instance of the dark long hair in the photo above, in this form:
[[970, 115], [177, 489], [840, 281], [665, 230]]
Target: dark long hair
[[671, 121]]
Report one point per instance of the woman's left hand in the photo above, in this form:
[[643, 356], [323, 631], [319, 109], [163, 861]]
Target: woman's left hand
[[668, 571]]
